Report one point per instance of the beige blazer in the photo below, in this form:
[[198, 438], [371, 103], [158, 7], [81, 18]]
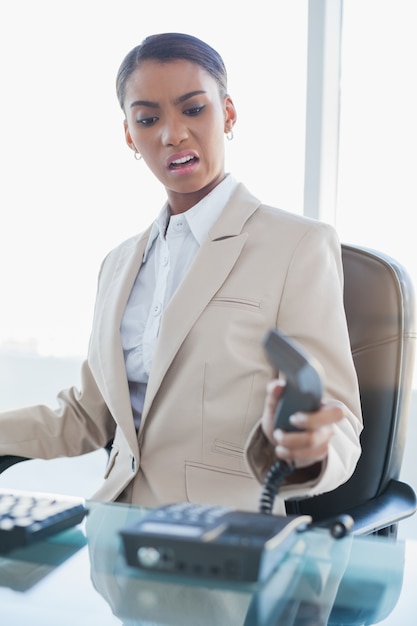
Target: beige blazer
[[199, 438]]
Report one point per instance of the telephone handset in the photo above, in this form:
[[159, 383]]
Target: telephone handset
[[303, 390]]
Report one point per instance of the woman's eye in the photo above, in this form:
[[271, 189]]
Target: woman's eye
[[147, 121], [194, 110]]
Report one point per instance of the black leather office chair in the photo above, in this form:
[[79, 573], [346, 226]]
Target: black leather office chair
[[379, 302], [380, 310]]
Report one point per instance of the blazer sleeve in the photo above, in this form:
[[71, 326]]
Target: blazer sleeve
[[81, 423], [312, 312]]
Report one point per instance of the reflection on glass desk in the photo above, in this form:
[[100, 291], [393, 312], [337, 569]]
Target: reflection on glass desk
[[80, 578]]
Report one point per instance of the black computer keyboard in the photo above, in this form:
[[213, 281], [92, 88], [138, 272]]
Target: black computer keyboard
[[26, 516]]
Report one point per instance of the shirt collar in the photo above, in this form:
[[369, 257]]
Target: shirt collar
[[200, 217]]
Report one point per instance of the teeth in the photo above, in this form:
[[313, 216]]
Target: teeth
[[183, 160]]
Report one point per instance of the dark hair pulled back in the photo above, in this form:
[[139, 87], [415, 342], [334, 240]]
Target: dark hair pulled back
[[166, 47]]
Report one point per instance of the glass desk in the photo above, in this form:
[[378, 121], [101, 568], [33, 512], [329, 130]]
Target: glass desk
[[80, 578]]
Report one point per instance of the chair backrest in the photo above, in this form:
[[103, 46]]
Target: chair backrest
[[380, 310]]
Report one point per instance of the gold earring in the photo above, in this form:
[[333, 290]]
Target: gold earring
[[137, 155]]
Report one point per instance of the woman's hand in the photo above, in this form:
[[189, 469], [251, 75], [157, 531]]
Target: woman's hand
[[309, 446]]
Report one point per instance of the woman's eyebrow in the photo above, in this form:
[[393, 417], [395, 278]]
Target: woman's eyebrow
[[179, 100], [186, 96], [144, 103]]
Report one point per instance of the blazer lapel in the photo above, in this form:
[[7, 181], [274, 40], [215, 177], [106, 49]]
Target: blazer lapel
[[212, 265], [108, 351]]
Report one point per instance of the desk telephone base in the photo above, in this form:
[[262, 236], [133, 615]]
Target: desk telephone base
[[211, 542]]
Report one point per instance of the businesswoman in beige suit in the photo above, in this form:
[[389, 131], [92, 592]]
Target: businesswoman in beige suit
[[176, 374]]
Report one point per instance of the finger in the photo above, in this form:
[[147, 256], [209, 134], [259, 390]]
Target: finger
[[274, 390], [303, 448], [305, 439], [328, 414]]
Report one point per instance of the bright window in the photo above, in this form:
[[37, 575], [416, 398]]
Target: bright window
[[71, 189], [377, 191]]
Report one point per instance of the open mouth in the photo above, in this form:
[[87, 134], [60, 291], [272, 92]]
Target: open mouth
[[182, 162]]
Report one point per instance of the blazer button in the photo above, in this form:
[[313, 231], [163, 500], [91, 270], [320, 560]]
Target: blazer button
[[133, 464]]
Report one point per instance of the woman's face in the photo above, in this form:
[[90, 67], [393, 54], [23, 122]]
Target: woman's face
[[176, 119]]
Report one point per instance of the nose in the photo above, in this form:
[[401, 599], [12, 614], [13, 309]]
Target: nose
[[174, 131]]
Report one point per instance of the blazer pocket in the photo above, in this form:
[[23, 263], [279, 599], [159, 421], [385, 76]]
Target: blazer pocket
[[240, 303], [112, 459], [221, 486], [227, 448]]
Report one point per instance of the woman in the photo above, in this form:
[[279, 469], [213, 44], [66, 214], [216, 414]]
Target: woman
[[176, 374]]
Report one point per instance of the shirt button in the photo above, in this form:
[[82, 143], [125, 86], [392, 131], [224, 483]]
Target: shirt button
[[179, 225], [133, 464], [157, 309], [165, 260]]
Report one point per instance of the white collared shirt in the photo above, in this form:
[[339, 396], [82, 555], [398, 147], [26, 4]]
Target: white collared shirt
[[173, 244]]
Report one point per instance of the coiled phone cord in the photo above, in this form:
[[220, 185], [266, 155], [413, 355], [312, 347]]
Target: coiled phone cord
[[276, 474]]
